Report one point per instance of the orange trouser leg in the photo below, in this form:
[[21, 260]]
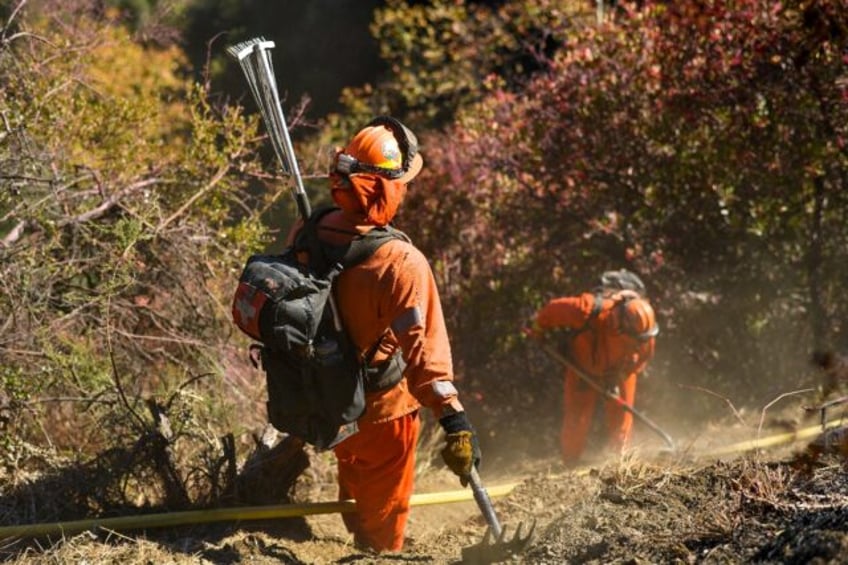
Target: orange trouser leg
[[620, 421], [578, 409], [377, 467]]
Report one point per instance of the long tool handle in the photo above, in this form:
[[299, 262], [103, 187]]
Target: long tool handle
[[562, 360], [254, 56], [481, 497]]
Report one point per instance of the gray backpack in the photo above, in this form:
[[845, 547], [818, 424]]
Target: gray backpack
[[622, 279]]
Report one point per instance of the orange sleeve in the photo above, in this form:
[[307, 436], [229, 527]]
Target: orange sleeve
[[567, 312], [417, 321]]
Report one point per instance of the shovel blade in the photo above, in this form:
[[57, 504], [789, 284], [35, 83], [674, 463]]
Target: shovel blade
[[499, 549]]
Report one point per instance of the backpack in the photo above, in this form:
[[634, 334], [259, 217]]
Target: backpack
[[315, 377], [610, 284], [616, 281]]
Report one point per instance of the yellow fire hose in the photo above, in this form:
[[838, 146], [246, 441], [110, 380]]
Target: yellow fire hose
[[774, 440], [229, 514], [305, 509]]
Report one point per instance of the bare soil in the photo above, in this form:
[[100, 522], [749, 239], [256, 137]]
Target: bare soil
[[647, 507]]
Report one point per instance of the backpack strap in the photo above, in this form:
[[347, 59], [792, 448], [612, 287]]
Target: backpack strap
[[330, 260], [365, 245], [389, 372], [597, 306], [620, 299], [324, 257]]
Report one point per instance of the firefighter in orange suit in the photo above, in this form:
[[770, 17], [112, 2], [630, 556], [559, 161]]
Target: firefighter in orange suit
[[390, 300], [610, 337]]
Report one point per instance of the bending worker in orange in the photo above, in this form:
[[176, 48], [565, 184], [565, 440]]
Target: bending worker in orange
[[610, 337], [390, 306]]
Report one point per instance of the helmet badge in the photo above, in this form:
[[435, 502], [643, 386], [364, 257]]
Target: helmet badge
[[390, 150]]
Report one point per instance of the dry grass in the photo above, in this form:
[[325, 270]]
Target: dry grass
[[762, 482]]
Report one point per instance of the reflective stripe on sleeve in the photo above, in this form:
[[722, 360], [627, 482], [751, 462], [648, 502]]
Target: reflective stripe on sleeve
[[407, 319], [444, 389]]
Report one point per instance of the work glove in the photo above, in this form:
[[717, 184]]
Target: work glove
[[462, 449]]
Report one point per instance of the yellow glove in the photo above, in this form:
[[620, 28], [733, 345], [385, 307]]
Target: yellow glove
[[458, 454], [461, 450]]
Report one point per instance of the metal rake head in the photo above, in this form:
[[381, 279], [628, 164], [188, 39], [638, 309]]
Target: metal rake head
[[242, 49], [494, 550], [254, 57]]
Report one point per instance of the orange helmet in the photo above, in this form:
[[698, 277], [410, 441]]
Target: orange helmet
[[637, 319], [384, 147]]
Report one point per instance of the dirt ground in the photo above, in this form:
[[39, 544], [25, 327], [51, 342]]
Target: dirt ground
[[647, 507]]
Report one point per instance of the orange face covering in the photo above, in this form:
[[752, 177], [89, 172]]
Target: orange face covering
[[373, 196]]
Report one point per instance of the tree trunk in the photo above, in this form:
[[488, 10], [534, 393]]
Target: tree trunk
[[270, 472]]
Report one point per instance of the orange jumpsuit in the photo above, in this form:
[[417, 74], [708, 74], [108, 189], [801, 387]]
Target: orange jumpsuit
[[603, 352], [391, 292]]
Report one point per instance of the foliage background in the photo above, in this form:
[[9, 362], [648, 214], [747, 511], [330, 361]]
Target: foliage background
[[702, 145]]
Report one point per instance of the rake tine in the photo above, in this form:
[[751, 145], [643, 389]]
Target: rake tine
[[529, 533], [517, 535], [487, 537], [500, 549], [501, 537], [518, 541]]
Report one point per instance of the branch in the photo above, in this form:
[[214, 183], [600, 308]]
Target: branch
[[163, 339], [80, 399], [17, 210], [26, 178], [14, 234], [773, 402], [207, 65], [119, 387], [20, 34], [727, 400], [109, 203], [212, 183], [183, 386], [9, 22]]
